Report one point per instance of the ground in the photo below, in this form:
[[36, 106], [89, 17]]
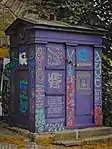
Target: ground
[[11, 137]]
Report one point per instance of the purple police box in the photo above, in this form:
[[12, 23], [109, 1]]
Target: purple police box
[[56, 76]]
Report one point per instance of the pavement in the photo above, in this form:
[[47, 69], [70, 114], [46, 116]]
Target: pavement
[[4, 132]]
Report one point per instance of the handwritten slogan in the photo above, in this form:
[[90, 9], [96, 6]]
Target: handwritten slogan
[[55, 106]]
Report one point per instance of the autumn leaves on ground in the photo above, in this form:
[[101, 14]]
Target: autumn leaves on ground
[[7, 136]]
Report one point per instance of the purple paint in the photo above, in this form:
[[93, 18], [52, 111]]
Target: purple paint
[[63, 73], [97, 112]]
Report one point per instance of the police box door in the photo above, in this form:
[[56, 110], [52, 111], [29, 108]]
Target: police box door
[[55, 87], [84, 85], [79, 90]]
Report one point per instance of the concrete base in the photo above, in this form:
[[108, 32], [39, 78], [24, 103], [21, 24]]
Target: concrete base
[[88, 141], [87, 136], [83, 136]]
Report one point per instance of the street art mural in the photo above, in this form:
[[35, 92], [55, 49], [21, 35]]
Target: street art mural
[[70, 99], [98, 87], [40, 93]]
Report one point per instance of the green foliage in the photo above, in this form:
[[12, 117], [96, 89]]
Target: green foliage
[[31, 137]]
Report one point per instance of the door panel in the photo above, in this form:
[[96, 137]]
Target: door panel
[[55, 106], [55, 56], [55, 87], [84, 92], [55, 81], [84, 85]]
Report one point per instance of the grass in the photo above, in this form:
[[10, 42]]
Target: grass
[[7, 136]]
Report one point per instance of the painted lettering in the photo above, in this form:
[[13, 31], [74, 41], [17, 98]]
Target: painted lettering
[[97, 57], [70, 121], [98, 90], [54, 80], [55, 106]]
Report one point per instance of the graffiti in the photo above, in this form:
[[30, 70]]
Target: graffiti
[[13, 57], [40, 77], [98, 115], [54, 80], [23, 96], [40, 95], [98, 95], [22, 58], [97, 70], [70, 122], [40, 119], [54, 125], [83, 58], [97, 57], [55, 106], [98, 88], [55, 56], [82, 55], [14, 63], [40, 88], [83, 81], [70, 55], [39, 57]]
